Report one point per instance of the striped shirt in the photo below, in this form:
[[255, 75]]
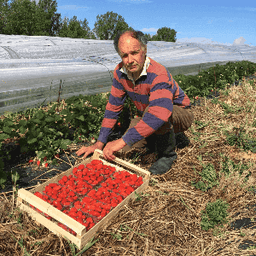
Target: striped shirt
[[154, 88]]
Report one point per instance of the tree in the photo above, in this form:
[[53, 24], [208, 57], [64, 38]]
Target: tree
[[49, 20], [148, 36], [20, 19], [4, 12], [64, 28], [165, 34], [107, 25], [28, 18], [74, 28], [78, 29]]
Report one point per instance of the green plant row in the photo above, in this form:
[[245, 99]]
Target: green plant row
[[214, 78], [79, 118]]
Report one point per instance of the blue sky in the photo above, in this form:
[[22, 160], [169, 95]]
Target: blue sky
[[204, 21]]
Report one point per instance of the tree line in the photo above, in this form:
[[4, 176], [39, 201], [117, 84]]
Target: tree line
[[25, 17]]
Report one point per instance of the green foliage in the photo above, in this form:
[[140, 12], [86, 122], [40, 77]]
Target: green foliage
[[4, 12], [214, 214], [239, 138], [217, 77], [165, 34], [209, 178], [148, 36], [107, 25], [74, 28], [228, 165], [25, 17]]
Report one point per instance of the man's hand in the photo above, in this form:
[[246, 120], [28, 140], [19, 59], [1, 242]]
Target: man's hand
[[111, 147], [90, 149]]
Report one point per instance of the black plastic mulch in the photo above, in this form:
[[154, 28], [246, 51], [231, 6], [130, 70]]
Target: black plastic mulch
[[31, 175]]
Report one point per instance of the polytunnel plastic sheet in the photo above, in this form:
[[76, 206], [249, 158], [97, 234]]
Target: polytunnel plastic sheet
[[37, 69]]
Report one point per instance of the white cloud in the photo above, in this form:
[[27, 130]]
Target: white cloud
[[239, 41], [149, 30], [71, 7]]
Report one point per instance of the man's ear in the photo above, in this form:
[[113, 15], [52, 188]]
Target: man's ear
[[145, 49]]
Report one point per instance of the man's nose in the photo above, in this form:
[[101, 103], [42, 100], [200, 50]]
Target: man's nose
[[130, 58]]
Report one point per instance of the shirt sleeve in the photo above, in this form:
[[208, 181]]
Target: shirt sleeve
[[114, 107], [159, 111]]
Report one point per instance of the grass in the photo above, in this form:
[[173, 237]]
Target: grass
[[167, 218]]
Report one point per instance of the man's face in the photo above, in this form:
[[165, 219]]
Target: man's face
[[132, 54]]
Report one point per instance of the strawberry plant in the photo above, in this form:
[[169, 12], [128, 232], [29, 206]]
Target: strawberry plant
[[239, 138], [209, 178]]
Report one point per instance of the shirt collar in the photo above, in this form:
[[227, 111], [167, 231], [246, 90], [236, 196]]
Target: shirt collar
[[144, 70]]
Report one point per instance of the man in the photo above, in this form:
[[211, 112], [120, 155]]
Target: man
[[163, 107]]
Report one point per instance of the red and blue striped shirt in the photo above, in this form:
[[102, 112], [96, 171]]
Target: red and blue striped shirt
[[155, 88]]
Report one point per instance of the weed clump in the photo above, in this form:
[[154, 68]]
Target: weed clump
[[214, 214]]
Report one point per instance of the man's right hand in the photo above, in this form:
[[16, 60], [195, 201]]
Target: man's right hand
[[88, 150]]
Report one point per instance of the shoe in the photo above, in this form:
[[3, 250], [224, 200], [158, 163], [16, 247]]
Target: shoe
[[165, 147]]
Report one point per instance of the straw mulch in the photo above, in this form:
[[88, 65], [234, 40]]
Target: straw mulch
[[166, 220]]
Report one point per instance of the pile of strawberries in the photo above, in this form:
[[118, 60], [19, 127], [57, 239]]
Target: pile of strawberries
[[90, 193]]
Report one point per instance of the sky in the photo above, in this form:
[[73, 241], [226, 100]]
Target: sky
[[224, 22]]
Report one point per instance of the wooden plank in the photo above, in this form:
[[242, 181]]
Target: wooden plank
[[51, 211], [99, 154], [50, 224]]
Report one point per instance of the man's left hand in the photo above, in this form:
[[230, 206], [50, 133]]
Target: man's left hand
[[111, 147]]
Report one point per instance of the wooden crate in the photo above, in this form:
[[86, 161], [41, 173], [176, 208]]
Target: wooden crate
[[82, 236]]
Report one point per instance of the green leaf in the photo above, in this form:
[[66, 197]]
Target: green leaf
[[58, 118], [7, 130], [64, 143], [31, 141], [23, 123], [8, 122], [22, 129], [40, 114], [49, 119], [37, 121], [64, 112], [81, 118], [3, 136], [40, 135]]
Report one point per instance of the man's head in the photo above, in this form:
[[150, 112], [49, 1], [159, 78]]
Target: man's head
[[132, 48]]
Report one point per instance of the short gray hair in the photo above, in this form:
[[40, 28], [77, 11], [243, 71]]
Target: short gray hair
[[135, 34]]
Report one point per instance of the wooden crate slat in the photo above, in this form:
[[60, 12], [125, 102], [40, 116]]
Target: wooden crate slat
[[123, 163], [49, 224], [50, 210]]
